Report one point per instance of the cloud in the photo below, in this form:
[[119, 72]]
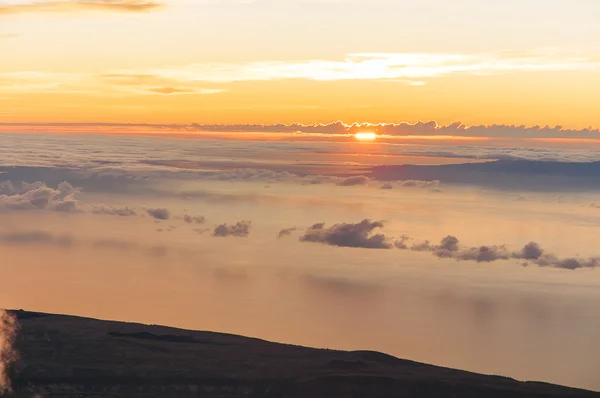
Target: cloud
[[8, 331], [449, 247], [348, 235], [239, 229], [128, 6], [286, 232], [37, 195], [152, 84], [194, 219], [352, 181], [385, 131], [36, 237], [409, 68], [531, 251], [419, 184], [400, 243], [113, 210], [159, 213], [387, 185]]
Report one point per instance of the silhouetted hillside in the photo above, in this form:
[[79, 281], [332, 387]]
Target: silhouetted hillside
[[65, 356]]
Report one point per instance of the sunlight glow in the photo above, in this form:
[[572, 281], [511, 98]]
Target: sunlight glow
[[365, 136]]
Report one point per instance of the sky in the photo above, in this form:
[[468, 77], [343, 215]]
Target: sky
[[531, 62], [345, 174]]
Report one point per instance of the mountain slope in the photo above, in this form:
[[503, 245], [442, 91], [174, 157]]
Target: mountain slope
[[65, 356]]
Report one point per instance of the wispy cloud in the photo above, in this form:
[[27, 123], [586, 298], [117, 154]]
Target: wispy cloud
[[40, 82], [131, 6], [410, 68]]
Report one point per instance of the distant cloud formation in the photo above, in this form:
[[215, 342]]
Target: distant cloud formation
[[29, 196], [387, 185], [36, 237], [414, 130], [241, 229], [429, 128], [419, 184], [159, 213], [532, 252], [352, 181], [123, 211], [286, 232], [358, 235], [130, 6]]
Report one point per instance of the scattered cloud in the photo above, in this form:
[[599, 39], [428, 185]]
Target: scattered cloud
[[39, 196], [352, 181], [286, 232], [532, 252], [194, 219], [358, 235], [122, 211], [159, 213], [387, 185], [240, 229], [419, 184]]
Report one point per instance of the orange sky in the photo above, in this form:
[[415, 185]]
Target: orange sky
[[303, 61]]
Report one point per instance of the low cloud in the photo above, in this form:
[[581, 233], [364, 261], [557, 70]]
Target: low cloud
[[531, 253], [387, 185], [36, 237], [352, 181], [194, 219], [128, 6], [358, 235], [8, 355], [29, 196], [114, 210], [240, 229], [159, 213], [419, 184], [286, 232]]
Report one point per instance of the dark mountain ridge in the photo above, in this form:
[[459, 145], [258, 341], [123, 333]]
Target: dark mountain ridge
[[66, 356]]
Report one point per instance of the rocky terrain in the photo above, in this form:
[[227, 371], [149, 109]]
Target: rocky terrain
[[68, 357]]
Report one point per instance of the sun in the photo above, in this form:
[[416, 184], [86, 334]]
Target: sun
[[365, 136]]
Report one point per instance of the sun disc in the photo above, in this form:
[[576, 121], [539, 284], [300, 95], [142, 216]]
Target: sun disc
[[365, 136]]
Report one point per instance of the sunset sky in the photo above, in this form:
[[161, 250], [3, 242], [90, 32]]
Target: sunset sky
[[532, 62]]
